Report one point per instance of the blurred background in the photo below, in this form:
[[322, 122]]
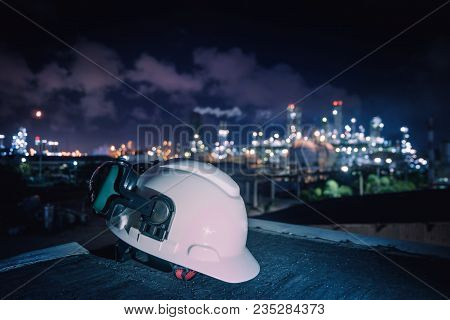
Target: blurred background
[[277, 97]]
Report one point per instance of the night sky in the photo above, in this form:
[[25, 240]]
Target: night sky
[[255, 57]]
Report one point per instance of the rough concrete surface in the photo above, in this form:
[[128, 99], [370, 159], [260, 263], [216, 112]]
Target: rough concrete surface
[[291, 268]]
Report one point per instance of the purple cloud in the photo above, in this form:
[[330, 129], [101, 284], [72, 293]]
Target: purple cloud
[[72, 87], [162, 76], [240, 79], [15, 80]]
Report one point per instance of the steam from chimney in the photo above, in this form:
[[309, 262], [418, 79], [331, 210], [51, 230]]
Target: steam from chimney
[[234, 112]]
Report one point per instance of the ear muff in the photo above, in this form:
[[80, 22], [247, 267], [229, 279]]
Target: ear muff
[[111, 180], [155, 223], [113, 189], [129, 180], [106, 191]]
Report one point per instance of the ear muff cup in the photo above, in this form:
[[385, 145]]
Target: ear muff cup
[[102, 187], [110, 181]]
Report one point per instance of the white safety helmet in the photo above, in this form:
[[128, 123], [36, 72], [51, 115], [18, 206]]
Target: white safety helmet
[[186, 212]]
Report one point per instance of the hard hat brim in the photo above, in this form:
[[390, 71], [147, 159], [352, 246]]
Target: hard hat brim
[[235, 269], [241, 268]]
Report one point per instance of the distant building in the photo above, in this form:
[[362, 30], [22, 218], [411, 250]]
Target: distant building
[[294, 121], [223, 147], [442, 165], [376, 125], [3, 150], [53, 148], [19, 142], [337, 116]]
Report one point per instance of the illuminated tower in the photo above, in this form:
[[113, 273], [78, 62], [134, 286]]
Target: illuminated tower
[[326, 126], [431, 173], [337, 115], [376, 125], [53, 148], [222, 148], [19, 142], [294, 119], [38, 145], [197, 146], [3, 150], [405, 144]]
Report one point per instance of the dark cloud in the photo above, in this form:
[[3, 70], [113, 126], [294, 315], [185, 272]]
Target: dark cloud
[[220, 56], [88, 86], [231, 78], [158, 75], [139, 114], [15, 81], [80, 97], [238, 78]]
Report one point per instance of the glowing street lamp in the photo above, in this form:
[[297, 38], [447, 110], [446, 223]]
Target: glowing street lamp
[[38, 114]]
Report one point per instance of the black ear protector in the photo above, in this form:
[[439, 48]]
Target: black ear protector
[[111, 183], [112, 188], [155, 224]]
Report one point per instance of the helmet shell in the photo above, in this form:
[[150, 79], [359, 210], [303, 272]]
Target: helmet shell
[[208, 231]]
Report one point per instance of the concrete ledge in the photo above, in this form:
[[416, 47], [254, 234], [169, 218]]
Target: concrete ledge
[[315, 233], [52, 253]]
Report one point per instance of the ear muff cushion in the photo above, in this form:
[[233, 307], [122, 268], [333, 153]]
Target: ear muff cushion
[[106, 190]]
